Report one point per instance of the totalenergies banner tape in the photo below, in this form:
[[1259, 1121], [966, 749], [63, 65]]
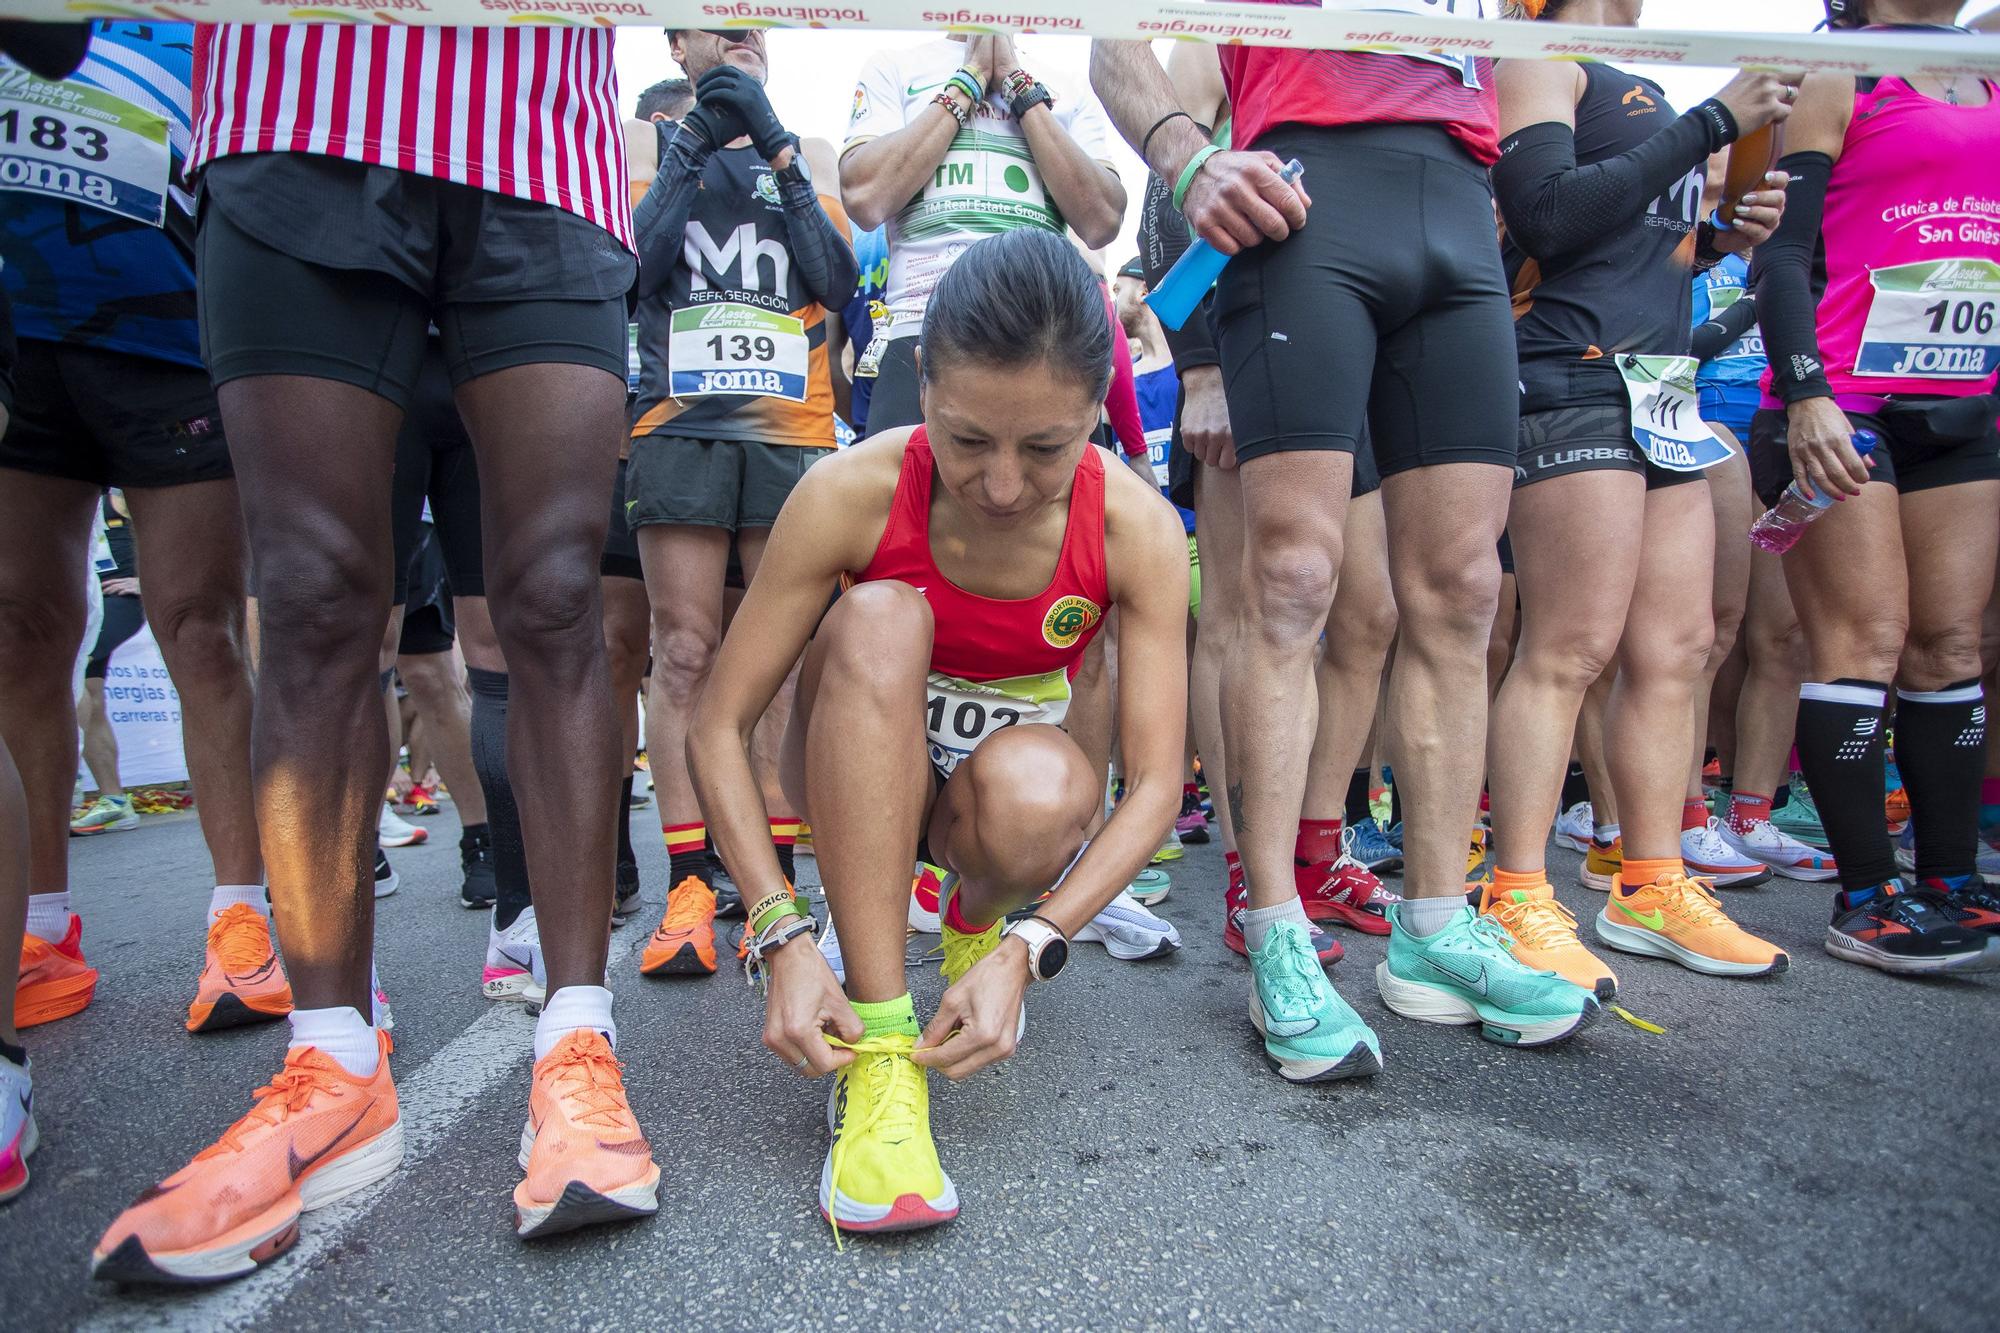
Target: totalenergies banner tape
[[1406, 27]]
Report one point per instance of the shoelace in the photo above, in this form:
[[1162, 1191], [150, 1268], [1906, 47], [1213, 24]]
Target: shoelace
[[1491, 933], [589, 1082], [689, 905], [1294, 972], [289, 1091], [1692, 897], [891, 1082], [1708, 840], [962, 951], [1539, 923], [241, 938]]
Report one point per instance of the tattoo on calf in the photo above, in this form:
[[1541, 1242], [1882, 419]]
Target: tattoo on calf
[[1236, 807]]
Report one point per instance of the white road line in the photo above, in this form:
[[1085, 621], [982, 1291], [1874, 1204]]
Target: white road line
[[444, 1089]]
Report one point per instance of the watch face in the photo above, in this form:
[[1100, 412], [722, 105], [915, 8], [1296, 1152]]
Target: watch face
[[1053, 956]]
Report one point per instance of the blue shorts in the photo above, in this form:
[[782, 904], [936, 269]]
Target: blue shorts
[[1732, 408]]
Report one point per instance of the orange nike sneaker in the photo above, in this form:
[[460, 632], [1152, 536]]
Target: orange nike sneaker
[[1678, 918], [1896, 809], [684, 945], [55, 981], [241, 978], [586, 1160], [316, 1135], [1544, 935]]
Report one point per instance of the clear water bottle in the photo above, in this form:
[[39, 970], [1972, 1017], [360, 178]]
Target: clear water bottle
[[1779, 530], [1196, 271]]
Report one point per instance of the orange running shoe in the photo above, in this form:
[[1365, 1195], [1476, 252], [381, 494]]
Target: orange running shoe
[[1544, 935], [1896, 809], [1678, 918], [585, 1157], [316, 1135], [241, 978], [55, 981], [684, 945]]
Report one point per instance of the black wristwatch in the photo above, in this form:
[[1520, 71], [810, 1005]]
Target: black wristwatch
[[798, 171], [1048, 951], [1036, 95]]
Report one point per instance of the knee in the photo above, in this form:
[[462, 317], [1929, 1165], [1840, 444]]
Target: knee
[[1871, 649], [1367, 626], [1574, 664], [1291, 588], [1448, 600], [1672, 658], [549, 604], [201, 631], [878, 635], [1032, 786], [319, 602], [39, 631], [683, 655], [1933, 659]]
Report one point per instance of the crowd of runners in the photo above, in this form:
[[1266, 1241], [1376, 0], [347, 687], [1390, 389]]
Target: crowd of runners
[[448, 409]]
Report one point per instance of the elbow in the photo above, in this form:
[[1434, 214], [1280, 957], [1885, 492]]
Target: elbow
[[864, 210], [1100, 228]]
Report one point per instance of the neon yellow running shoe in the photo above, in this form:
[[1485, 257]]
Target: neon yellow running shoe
[[882, 1171]]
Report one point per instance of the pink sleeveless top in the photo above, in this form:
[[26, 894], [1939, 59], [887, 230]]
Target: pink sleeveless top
[[1912, 233]]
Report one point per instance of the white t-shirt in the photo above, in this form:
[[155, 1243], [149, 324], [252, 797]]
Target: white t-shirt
[[988, 181]]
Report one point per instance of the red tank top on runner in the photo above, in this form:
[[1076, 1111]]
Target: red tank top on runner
[[1271, 85], [996, 662]]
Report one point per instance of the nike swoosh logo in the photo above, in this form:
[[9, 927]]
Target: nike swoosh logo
[[298, 1166], [1476, 980], [1653, 920], [917, 88], [1298, 1028]]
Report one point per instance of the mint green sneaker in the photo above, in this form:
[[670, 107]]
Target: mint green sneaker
[[1800, 817], [1309, 1032], [1467, 973]]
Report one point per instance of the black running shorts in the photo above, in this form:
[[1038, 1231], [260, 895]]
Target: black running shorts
[[621, 549], [434, 462], [730, 484], [1912, 453], [1586, 439], [317, 266], [1387, 313], [123, 614], [112, 419]]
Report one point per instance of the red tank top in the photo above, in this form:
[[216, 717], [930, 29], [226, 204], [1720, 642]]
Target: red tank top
[[1271, 86], [996, 662]]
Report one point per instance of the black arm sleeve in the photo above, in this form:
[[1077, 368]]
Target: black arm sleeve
[[1163, 239], [1781, 273], [660, 221], [1724, 329], [1552, 206], [822, 257]]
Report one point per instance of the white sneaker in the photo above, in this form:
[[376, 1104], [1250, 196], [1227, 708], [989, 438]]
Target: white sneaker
[[513, 958], [18, 1135], [1574, 827], [1708, 855], [392, 830], [387, 881], [829, 949], [1129, 932], [1782, 852]]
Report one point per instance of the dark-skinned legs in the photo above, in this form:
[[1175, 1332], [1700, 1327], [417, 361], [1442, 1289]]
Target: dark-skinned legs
[[547, 612]]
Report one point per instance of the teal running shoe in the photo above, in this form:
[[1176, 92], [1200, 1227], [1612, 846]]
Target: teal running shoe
[[1467, 973], [1309, 1032], [1800, 817]]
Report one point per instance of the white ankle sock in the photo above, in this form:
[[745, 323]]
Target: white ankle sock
[[340, 1034], [229, 895], [1604, 834], [1257, 921], [1425, 917], [571, 1009], [48, 916]]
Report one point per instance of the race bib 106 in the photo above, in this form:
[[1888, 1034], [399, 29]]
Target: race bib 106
[[739, 349], [1666, 413], [960, 714], [1938, 320], [82, 145]]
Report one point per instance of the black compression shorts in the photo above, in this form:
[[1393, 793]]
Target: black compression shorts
[[123, 614], [1913, 453], [1586, 439], [1388, 313], [434, 462]]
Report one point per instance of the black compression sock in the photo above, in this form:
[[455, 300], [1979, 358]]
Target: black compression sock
[[696, 862], [1357, 798], [788, 860], [1395, 804], [1575, 789], [626, 856], [1941, 754], [503, 817], [1840, 736], [1782, 796]]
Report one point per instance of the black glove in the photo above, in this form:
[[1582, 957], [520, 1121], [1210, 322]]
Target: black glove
[[715, 121], [735, 94]]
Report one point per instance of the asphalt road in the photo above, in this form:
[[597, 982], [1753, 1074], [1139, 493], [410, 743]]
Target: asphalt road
[[1816, 1150]]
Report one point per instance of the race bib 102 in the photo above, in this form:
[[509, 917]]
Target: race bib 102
[[1938, 321], [960, 714], [738, 349], [82, 145], [1666, 413]]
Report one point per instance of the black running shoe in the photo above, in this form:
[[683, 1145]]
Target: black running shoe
[[475, 856], [1976, 902], [386, 878], [728, 902], [1910, 932], [625, 905]]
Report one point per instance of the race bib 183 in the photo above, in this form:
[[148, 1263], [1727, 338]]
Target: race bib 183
[[1666, 413], [960, 714], [82, 145], [1938, 320], [731, 348]]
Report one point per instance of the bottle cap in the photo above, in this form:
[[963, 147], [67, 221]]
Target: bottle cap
[[1864, 442]]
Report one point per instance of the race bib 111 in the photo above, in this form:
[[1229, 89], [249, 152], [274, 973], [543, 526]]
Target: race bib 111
[[1666, 413], [82, 145], [737, 349], [1938, 321]]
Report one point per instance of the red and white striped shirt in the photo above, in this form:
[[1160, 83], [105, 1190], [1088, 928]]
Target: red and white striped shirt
[[530, 112]]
